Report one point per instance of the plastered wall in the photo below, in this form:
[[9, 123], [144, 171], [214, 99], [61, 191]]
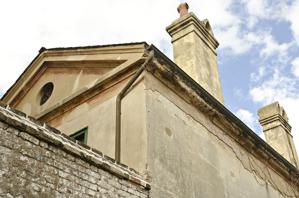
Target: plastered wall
[[190, 157], [98, 114], [173, 144], [67, 81]]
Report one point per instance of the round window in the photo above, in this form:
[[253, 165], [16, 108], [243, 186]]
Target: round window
[[46, 92]]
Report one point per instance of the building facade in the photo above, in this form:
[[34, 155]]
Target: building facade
[[166, 120]]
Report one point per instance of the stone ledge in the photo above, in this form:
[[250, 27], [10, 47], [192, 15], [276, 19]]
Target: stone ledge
[[46, 133]]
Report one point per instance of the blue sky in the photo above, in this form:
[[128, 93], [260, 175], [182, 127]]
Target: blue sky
[[258, 54]]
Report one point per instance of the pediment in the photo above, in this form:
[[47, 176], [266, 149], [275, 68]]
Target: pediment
[[69, 70]]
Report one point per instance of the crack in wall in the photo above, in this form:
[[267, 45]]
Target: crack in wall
[[253, 166]]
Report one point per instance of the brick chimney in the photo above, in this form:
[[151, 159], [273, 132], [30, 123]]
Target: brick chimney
[[194, 50], [277, 130]]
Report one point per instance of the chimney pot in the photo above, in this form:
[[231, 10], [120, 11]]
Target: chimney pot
[[183, 9]]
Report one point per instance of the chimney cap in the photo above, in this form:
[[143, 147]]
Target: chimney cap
[[272, 109], [183, 9]]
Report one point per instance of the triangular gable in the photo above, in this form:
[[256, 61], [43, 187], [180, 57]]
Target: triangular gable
[[69, 70]]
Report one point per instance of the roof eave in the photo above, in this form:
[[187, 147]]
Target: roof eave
[[215, 105]]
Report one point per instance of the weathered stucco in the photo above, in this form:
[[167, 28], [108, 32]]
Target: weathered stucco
[[171, 142], [179, 137], [98, 114], [194, 50], [98, 59], [66, 80], [277, 131], [191, 157]]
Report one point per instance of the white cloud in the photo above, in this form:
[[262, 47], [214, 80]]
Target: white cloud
[[32, 24], [292, 16], [217, 11], [257, 8], [240, 43], [238, 93], [247, 117], [269, 45], [295, 66], [232, 40], [260, 74], [272, 47], [266, 9], [277, 87]]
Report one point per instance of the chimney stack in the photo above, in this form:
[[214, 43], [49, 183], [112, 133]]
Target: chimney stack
[[277, 130], [194, 50]]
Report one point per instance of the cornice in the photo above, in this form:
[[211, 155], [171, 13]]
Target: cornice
[[190, 19], [78, 53], [171, 75]]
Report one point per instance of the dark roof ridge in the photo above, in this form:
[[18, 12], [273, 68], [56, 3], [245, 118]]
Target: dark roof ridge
[[97, 46]]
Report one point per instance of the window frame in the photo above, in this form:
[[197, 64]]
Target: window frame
[[80, 132], [45, 93]]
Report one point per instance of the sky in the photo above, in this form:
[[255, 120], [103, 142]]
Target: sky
[[258, 55]]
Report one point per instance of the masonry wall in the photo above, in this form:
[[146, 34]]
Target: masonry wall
[[38, 161]]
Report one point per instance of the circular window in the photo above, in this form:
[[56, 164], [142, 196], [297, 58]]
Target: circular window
[[46, 92]]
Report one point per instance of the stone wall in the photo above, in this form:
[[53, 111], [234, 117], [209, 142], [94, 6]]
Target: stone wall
[[39, 161]]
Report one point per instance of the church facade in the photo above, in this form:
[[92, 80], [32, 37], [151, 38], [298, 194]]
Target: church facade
[[165, 119]]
